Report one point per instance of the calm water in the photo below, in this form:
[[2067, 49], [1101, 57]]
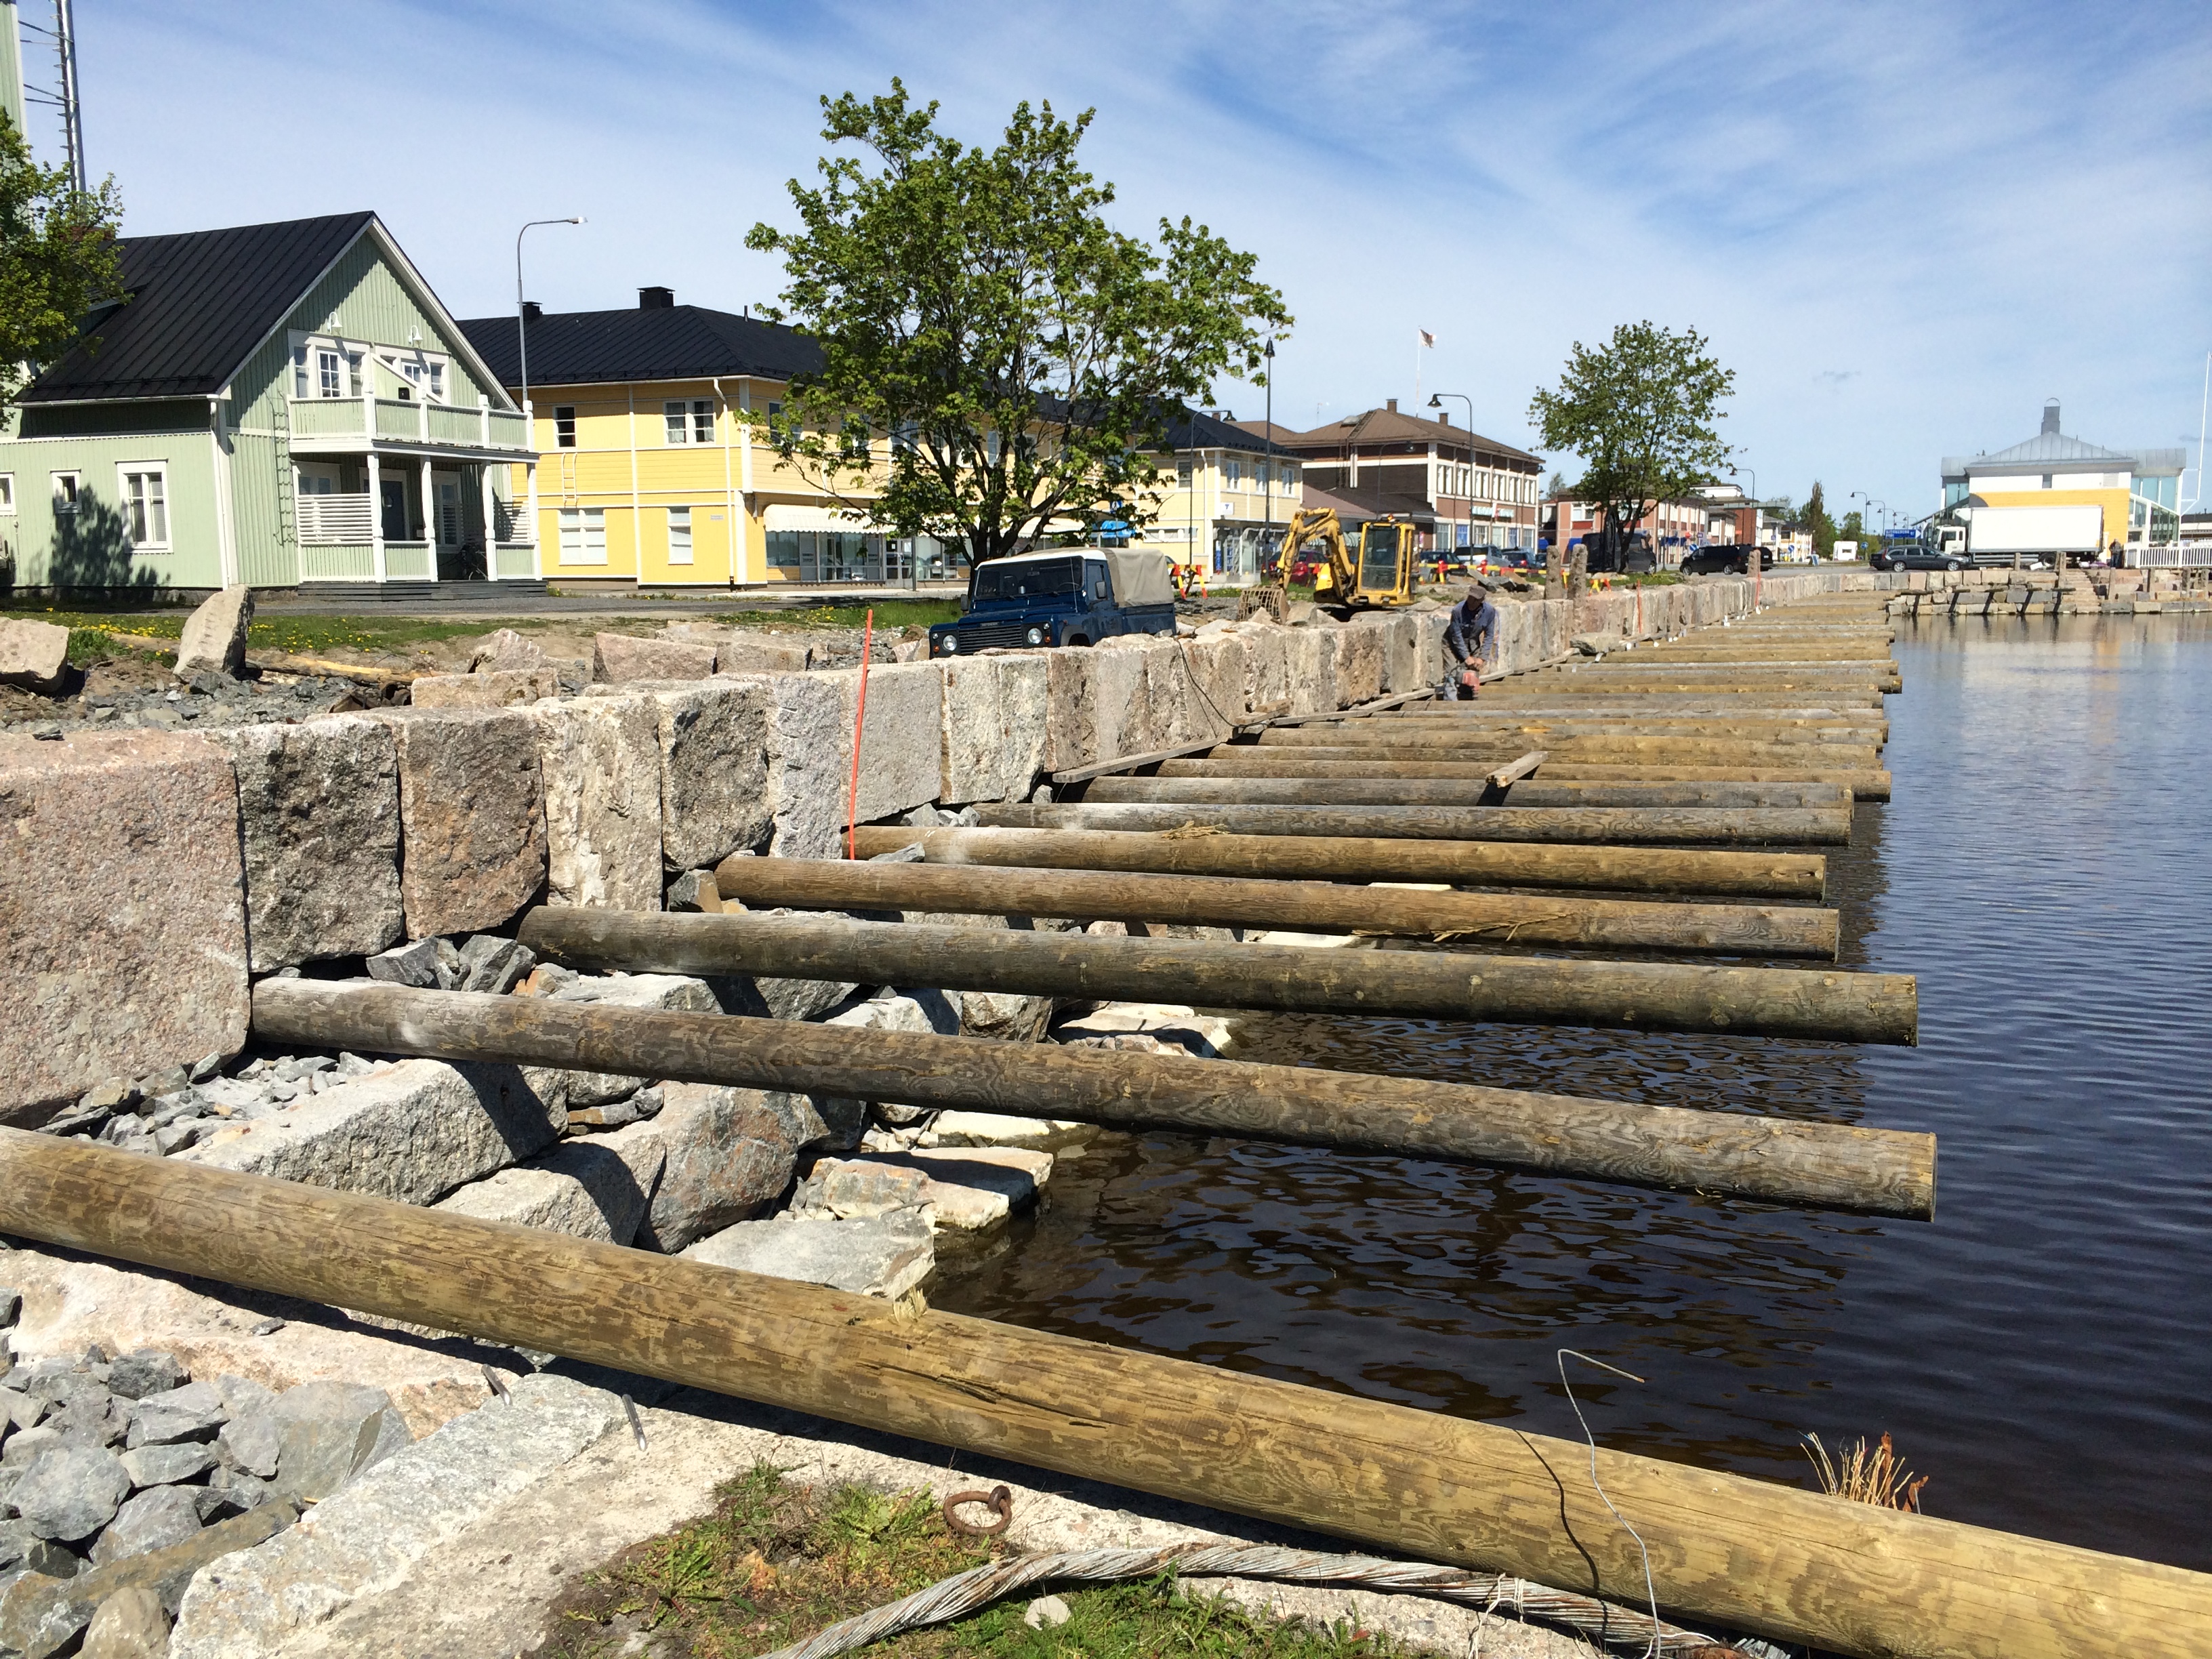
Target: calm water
[[2043, 1350]]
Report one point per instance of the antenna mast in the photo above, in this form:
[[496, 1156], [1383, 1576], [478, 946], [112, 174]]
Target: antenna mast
[[65, 99]]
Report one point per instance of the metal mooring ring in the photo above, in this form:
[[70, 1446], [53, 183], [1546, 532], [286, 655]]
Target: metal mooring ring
[[997, 1499]]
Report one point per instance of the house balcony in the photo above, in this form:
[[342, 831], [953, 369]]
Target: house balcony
[[352, 536], [342, 426]]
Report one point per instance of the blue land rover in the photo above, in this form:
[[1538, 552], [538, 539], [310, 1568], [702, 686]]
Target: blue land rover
[[1063, 596]]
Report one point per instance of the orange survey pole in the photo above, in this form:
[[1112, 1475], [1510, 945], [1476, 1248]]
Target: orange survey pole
[[859, 720]]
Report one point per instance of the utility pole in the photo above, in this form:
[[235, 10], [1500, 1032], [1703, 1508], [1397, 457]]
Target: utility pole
[[1269, 486], [65, 97]]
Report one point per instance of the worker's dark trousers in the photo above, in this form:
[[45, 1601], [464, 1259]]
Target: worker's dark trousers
[[1452, 691]]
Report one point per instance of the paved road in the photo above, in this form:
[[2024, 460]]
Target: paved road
[[488, 601]]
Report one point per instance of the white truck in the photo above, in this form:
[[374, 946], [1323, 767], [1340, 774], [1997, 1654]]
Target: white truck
[[2024, 535]]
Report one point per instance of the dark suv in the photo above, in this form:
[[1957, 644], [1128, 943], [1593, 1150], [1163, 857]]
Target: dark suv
[[1722, 557]]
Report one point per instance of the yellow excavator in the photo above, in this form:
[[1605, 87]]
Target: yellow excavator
[[1382, 575]]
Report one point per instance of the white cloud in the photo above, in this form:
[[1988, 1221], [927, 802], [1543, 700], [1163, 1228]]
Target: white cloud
[[1975, 207]]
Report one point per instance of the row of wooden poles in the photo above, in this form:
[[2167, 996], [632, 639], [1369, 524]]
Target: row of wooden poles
[[1678, 786]]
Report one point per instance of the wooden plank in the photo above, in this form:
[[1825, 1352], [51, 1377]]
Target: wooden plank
[[1779, 1561], [1130, 763], [1637, 996], [1518, 769], [1828, 1166]]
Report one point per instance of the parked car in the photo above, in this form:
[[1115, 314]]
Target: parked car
[[1634, 559], [1721, 557], [1069, 595], [1917, 555]]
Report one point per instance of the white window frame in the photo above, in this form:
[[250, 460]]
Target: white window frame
[[68, 503], [675, 422], [8, 493], [679, 519], [703, 420], [1232, 475], [583, 532], [330, 371], [564, 412], [129, 503]]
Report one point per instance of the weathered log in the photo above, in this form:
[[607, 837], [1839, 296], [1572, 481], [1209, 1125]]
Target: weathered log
[[1658, 723], [1682, 751], [1867, 784], [1639, 996], [1787, 1563], [1616, 826], [1548, 790], [1447, 792], [1797, 686], [1779, 1160], [1506, 727], [1351, 858], [1313, 906]]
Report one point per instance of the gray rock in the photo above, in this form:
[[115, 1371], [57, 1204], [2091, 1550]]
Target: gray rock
[[242, 1396], [167, 1465], [413, 1132], [238, 1489], [43, 1617], [153, 1520], [32, 655], [11, 1306], [414, 964], [70, 1492], [726, 1155], [331, 1432], [472, 816], [318, 809], [254, 1444], [600, 759], [505, 649], [22, 1550], [26, 1445], [449, 963], [694, 890], [497, 688], [992, 727], [884, 1255], [214, 639], [493, 965], [713, 740], [618, 657], [580, 1187], [370, 1536], [901, 763], [93, 1418], [194, 1412], [131, 1624]]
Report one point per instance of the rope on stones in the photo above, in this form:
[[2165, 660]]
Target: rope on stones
[[963, 1592]]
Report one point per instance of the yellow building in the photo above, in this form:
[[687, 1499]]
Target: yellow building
[[1224, 503], [2136, 491], [648, 472]]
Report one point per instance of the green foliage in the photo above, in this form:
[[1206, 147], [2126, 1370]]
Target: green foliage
[[891, 615], [57, 260], [1817, 524], [1640, 411], [1022, 357]]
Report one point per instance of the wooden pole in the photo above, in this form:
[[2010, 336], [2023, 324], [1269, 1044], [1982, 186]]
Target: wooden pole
[[1828, 1166], [1787, 1563], [1476, 791], [1351, 858], [1549, 791], [1661, 751], [1639, 996], [1617, 826], [1508, 729], [1312, 906]]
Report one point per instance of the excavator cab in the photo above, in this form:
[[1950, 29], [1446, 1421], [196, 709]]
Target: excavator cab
[[1386, 563]]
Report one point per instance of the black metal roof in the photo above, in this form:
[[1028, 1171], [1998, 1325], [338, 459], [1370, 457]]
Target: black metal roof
[[201, 300], [661, 342]]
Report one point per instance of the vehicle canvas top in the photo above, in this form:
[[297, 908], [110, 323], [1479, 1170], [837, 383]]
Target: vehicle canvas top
[[1140, 577]]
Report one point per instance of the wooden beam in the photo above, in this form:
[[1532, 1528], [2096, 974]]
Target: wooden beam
[[1828, 1166], [1355, 858], [1779, 1561], [1617, 826], [1516, 769], [1313, 906], [1641, 996]]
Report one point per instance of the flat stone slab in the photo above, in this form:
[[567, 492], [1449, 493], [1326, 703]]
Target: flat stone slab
[[993, 726], [1042, 1135], [618, 657], [494, 688], [580, 1189], [884, 1255], [412, 1131], [714, 769], [123, 941], [902, 761], [318, 803], [363, 1540], [968, 1189]]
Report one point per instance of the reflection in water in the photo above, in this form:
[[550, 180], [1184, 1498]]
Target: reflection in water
[[2041, 1350]]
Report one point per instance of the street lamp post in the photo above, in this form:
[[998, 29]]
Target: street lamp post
[[1268, 489], [521, 333], [1435, 401]]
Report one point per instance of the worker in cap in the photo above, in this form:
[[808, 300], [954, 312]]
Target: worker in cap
[[1470, 645]]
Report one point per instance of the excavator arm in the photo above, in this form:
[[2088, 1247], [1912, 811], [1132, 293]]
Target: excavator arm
[[1336, 576]]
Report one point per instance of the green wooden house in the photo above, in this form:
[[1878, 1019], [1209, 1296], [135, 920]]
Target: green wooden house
[[286, 406]]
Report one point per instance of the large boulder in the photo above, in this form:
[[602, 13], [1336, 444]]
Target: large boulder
[[993, 726], [32, 655], [901, 763], [70, 1492], [331, 1432], [123, 946], [618, 657], [726, 1154], [1309, 669], [488, 687], [600, 760], [1267, 673], [580, 1187], [471, 815], [502, 650], [412, 1131], [153, 1520], [214, 640], [319, 805], [1358, 665], [762, 654], [807, 744]]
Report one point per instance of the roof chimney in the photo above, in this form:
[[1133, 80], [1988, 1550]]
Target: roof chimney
[[1391, 402], [532, 311], [2051, 417], [1444, 417], [656, 299]]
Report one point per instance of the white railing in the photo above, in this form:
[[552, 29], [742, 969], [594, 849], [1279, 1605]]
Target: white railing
[[2172, 555], [334, 520]]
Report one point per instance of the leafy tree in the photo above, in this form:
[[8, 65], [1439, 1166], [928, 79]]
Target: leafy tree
[[1639, 410], [1025, 359], [57, 260], [1817, 523]]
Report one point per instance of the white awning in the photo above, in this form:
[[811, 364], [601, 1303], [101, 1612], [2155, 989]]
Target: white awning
[[779, 515]]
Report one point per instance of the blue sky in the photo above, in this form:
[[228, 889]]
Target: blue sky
[[1903, 225]]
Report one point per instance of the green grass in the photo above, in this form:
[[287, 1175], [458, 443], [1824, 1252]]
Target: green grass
[[889, 614], [776, 1562], [95, 633]]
